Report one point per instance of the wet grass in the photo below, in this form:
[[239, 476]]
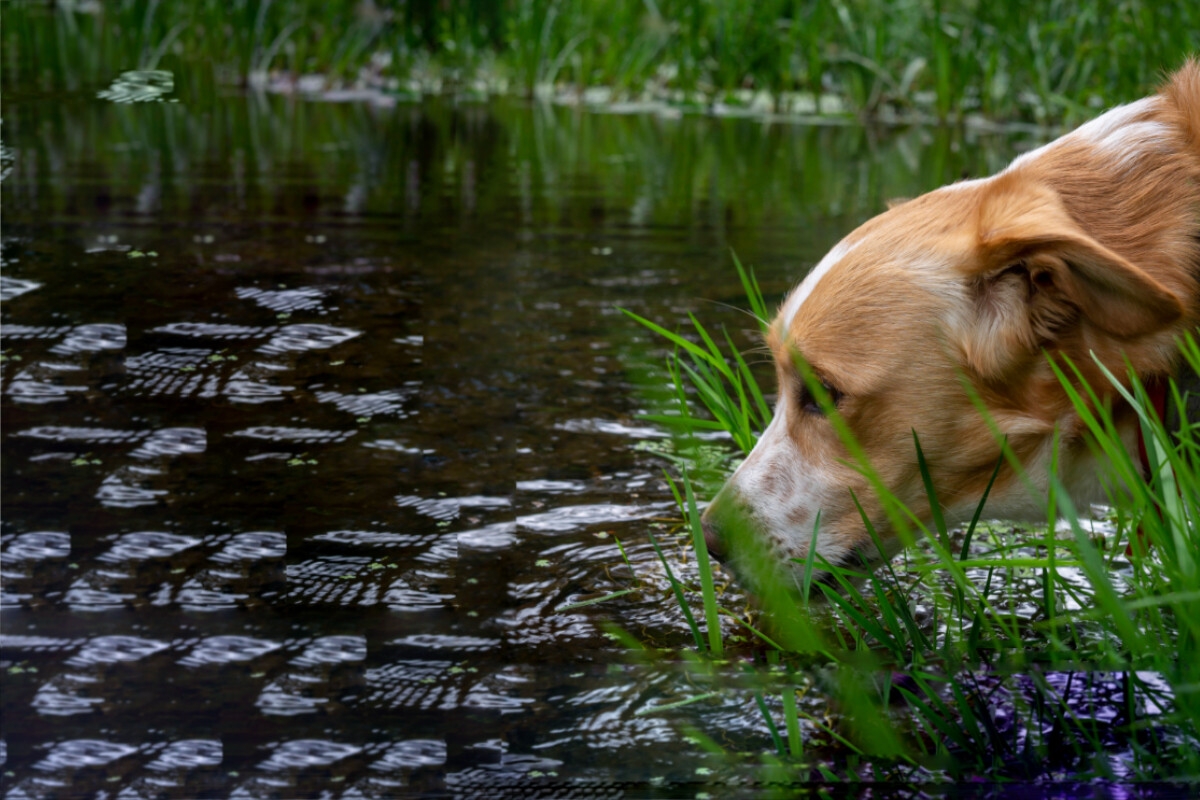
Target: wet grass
[[1066, 651], [1050, 61]]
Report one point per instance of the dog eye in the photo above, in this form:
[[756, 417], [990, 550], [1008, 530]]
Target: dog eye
[[810, 404]]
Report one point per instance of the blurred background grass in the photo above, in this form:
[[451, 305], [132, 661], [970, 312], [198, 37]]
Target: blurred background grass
[[1052, 61]]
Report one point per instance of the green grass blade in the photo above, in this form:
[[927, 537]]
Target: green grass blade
[[966, 546], [679, 598], [593, 601], [697, 351], [753, 293], [641, 712], [711, 620], [935, 507]]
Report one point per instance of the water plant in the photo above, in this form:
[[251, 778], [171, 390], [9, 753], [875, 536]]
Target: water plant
[[1020, 60], [1069, 649]]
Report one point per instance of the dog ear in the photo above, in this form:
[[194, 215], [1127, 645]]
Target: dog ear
[[1038, 276]]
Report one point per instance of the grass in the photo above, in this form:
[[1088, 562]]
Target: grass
[[1069, 650], [1046, 61]]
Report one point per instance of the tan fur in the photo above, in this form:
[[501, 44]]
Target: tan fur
[[1091, 245]]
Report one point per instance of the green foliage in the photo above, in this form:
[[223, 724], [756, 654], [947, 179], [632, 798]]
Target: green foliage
[[1022, 59]]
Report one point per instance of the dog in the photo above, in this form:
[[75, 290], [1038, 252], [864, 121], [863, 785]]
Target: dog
[[1087, 245]]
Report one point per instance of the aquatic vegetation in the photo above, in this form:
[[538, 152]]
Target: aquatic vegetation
[[139, 86], [1067, 650], [1041, 61]]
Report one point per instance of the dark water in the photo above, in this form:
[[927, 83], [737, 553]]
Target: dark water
[[314, 413]]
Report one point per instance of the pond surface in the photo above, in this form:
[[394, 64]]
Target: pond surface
[[314, 413]]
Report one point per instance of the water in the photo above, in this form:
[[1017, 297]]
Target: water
[[314, 413]]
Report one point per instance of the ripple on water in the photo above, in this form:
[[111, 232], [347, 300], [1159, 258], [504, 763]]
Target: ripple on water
[[436, 641], [171, 372], [615, 428], [402, 597], [172, 442], [78, 753], [298, 338], [28, 388], [498, 691], [35, 331], [91, 339], [116, 492], [412, 684], [38, 546], [241, 388], [498, 536], [68, 433], [273, 433], [36, 644], [389, 403], [115, 649], [411, 754], [195, 596], [394, 446], [308, 753], [228, 650], [333, 650], [210, 330], [569, 518], [611, 427], [443, 551], [378, 538], [85, 597], [188, 754], [148, 544], [166, 359], [280, 699], [551, 487], [15, 287], [301, 299], [448, 508], [253, 546], [55, 702]]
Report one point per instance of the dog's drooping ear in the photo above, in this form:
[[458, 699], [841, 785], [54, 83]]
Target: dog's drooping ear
[[1037, 275]]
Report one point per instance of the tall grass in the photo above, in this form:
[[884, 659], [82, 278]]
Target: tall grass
[[1070, 650], [1015, 60]]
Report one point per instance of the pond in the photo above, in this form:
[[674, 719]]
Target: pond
[[314, 413]]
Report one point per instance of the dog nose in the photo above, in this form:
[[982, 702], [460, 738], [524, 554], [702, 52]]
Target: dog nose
[[712, 539]]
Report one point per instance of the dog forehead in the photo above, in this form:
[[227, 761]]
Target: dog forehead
[[911, 241], [878, 291]]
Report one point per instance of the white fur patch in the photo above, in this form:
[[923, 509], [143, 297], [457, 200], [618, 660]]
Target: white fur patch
[[1131, 142], [801, 292], [1121, 133], [965, 184], [784, 490]]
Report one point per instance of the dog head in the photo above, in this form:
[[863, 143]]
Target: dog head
[[948, 300]]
